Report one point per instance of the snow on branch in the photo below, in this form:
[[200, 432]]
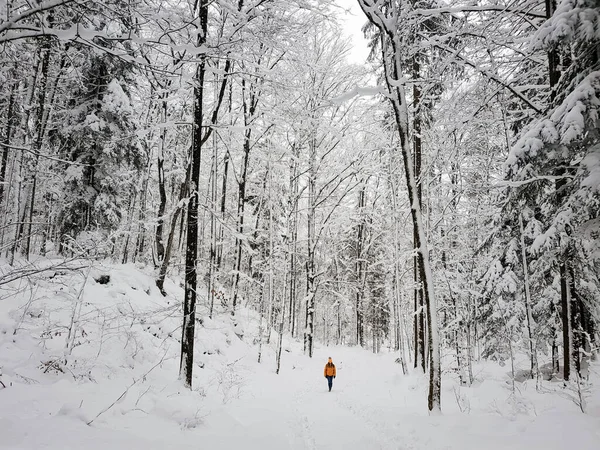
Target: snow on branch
[[44, 6], [570, 122], [432, 12], [572, 20]]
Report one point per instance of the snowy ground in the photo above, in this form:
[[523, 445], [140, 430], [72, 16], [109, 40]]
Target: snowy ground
[[121, 375]]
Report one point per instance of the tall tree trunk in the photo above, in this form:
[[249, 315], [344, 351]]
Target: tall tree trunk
[[530, 322], [360, 270], [141, 232], [391, 50], [223, 200], [282, 306], [20, 199], [293, 242], [183, 191], [271, 257], [6, 141], [191, 253], [11, 120], [212, 254], [222, 210], [261, 317], [419, 313], [565, 291], [310, 262], [565, 301], [250, 99], [130, 214], [160, 280], [554, 342], [162, 192], [40, 131], [249, 105]]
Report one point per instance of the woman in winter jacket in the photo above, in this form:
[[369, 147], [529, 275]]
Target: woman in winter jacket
[[329, 373]]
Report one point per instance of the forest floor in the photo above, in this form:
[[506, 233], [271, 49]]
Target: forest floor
[[94, 366]]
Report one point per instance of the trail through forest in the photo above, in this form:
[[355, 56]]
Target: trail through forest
[[117, 388], [372, 406]]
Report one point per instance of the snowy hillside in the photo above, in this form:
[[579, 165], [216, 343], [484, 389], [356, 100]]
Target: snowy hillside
[[89, 359]]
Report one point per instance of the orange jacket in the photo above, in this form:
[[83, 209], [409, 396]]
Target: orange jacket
[[329, 370]]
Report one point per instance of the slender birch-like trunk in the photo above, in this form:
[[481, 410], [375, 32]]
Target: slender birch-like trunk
[[386, 21]]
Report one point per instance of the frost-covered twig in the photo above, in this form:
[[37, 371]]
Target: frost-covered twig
[[27, 306], [70, 342], [124, 393], [580, 396], [32, 269], [462, 401]]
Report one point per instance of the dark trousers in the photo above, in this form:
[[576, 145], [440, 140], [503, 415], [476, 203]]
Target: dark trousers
[[330, 381]]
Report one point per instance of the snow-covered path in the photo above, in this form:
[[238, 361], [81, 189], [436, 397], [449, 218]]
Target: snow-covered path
[[294, 410], [122, 377], [371, 406]]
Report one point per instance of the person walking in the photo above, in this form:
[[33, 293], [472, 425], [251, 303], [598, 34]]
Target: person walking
[[329, 373]]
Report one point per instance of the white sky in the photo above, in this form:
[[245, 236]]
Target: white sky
[[353, 22]]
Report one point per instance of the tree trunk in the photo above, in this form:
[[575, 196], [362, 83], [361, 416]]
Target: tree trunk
[[293, 242], [212, 254], [360, 271], [530, 322], [249, 106], [6, 141], [162, 205], [183, 191], [11, 120], [397, 97], [565, 301], [141, 233], [20, 199], [191, 254], [160, 280], [130, 213], [565, 292], [310, 262], [282, 306], [554, 343], [40, 131], [224, 184], [419, 312]]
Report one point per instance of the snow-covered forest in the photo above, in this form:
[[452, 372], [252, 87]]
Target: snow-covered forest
[[201, 201]]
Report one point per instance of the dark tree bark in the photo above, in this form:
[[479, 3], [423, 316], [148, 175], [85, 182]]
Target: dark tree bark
[[391, 53], [222, 209], [564, 259], [565, 302], [360, 271], [419, 311], [249, 106], [162, 205], [42, 89], [191, 251], [183, 192], [311, 287], [293, 242], [141, 232], [6, 141], [160, 280]]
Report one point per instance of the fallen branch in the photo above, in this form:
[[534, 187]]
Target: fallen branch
[[143, 377]]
